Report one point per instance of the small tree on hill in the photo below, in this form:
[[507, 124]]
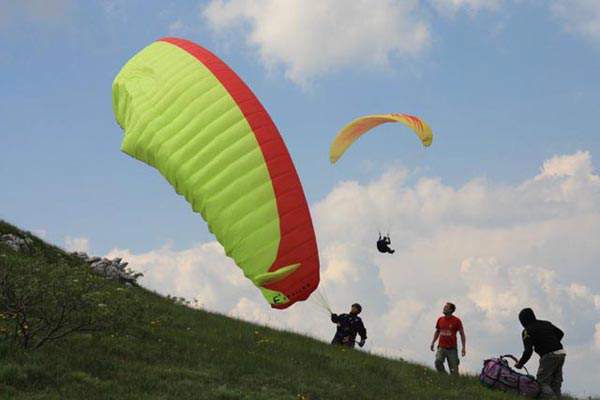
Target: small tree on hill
[[46, 302]]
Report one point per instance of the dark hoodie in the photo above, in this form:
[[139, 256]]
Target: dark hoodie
[[538, 335], [348, 326]]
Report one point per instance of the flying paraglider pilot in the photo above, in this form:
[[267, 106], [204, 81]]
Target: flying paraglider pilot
[[348, 326], [383, 244]]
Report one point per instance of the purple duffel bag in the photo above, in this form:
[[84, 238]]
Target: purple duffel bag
[[497, 374]]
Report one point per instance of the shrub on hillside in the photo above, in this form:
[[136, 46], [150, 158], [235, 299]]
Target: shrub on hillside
[[42, 302]]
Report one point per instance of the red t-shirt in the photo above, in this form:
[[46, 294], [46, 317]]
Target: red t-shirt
[[448, 326]]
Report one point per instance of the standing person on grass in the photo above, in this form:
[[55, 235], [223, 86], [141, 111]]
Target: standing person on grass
[[445, 330], [348, 326], [545, 339]]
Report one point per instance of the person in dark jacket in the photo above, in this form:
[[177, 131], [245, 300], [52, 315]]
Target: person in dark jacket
[[544, 338], [348, 326], [383, 244]]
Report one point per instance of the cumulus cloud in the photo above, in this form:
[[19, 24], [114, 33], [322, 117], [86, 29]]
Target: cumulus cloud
[[329, 35], [580, 17], [77, 244], [491, 249], [578, 165], [311, 41], [201, 273]]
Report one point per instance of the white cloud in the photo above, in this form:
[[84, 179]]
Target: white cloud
[[77, 244], [472, 7], [202, 273], [580, 17], [178, 27], [311, 41], [40, 233], [575, 165], [330, 34], [491, 249], [251, 310]]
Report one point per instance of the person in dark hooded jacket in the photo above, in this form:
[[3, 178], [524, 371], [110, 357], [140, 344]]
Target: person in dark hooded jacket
[[545, 339], [348, 326]]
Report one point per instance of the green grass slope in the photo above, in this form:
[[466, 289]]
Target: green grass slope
[[169, 351]]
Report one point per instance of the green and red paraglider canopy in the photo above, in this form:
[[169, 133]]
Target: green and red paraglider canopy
[[189, 115]]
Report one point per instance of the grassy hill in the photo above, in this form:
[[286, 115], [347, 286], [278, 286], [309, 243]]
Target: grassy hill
[[145, 346]]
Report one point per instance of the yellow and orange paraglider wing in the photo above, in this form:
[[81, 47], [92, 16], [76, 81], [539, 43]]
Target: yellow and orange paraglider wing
[[355, 129]]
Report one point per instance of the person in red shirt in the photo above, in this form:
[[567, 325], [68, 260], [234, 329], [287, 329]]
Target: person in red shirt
[[445, 330]]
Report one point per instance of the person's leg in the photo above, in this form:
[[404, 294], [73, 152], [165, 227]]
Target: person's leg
[[544, 375], [440, 356], [347, 341], [557, 377], [453, 361]]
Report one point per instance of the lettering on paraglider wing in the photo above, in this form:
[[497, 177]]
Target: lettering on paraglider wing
[[277, 299]]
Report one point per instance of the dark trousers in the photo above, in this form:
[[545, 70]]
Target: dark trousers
[[447, 354], [550, 375], [343, 341]]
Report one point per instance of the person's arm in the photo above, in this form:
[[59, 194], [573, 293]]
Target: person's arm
[[527, 352], [436, 335], [335, 318], [559, 333], [463, 340], [362, 331]]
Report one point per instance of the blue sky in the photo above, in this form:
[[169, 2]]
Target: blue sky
[[503, 89], [509, 187]]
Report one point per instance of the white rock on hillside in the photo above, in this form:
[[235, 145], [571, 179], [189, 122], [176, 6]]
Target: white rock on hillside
[[15, 242]]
